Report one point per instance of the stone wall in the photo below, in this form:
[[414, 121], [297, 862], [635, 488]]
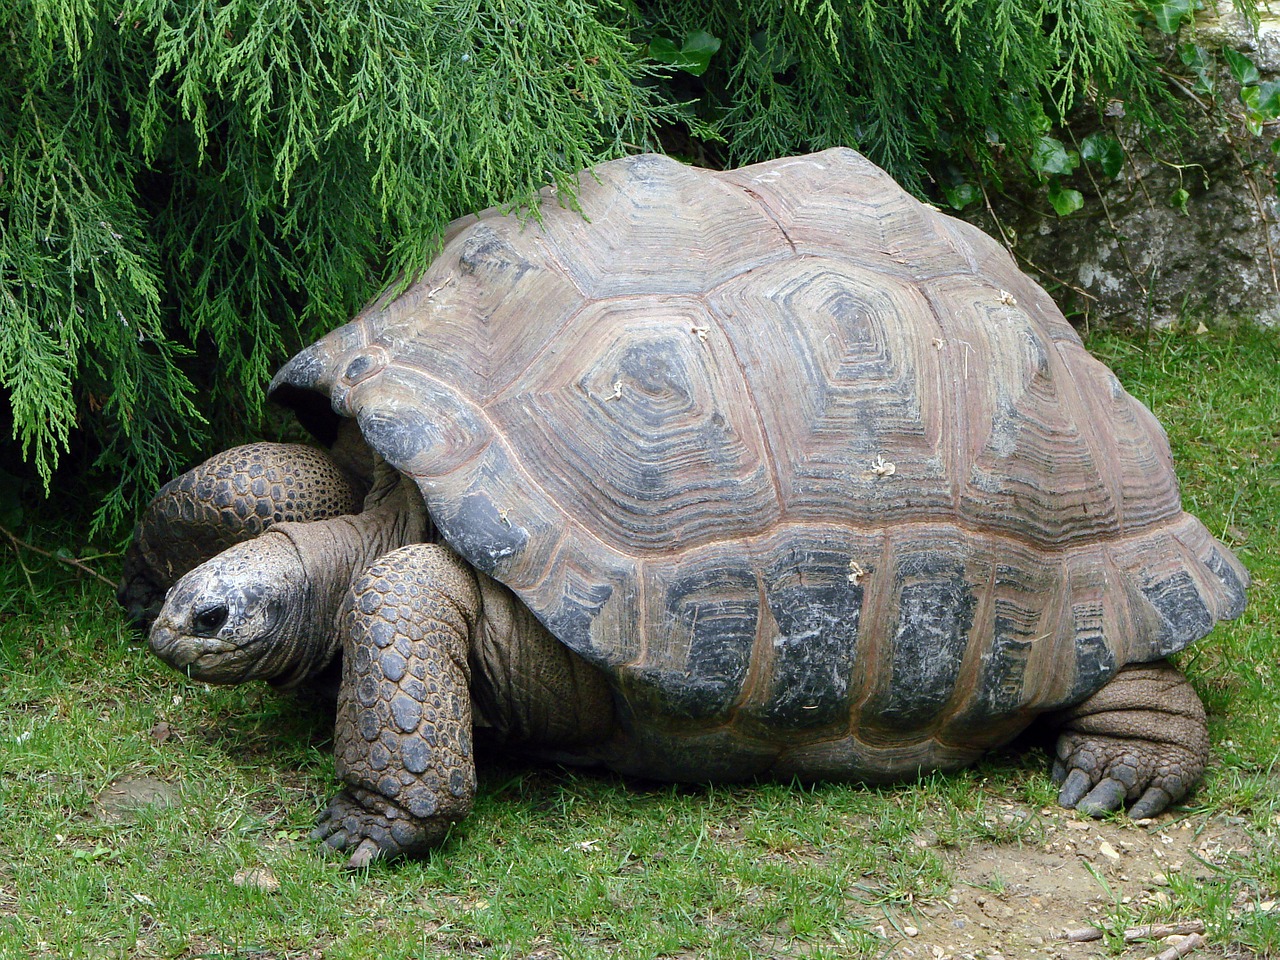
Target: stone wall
[[1130, 255]]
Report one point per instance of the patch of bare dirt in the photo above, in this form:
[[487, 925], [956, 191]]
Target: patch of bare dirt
[[127, 795], [1015, 901]]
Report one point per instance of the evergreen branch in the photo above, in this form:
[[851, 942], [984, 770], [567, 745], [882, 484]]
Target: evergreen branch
[[193, 191]]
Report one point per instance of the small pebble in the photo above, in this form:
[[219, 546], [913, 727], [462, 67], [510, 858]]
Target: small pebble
[[257, 878]]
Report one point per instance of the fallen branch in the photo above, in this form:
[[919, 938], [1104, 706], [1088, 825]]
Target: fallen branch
[[1182, 948], [1158, 931], [1150, 931], [19, 545]]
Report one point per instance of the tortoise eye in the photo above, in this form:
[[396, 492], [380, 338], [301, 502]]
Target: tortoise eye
[[209, 619]]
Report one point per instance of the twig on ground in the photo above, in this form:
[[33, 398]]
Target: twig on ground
[[1182, 948], [1082, 935], [1157, 931], [1150, 931], [19, 545]]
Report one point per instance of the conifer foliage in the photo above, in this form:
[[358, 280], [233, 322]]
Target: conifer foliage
[[922, 87], [192, 189]]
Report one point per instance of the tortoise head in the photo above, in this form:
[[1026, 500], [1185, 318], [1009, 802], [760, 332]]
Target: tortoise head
[[237, 617]]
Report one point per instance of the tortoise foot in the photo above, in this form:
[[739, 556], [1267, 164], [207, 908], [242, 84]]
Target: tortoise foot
[[371, 827], [1099, 775], [1140, 740]]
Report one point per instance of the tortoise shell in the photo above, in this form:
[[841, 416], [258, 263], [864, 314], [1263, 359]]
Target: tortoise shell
[[781, 448]]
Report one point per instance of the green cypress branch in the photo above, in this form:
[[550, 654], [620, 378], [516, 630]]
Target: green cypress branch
[[189, 191]]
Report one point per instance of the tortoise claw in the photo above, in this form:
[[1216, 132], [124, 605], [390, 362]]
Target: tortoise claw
[[1100, 775], [371, 827], [1154, 801], [1140, 740], [365, 854], [1107, 797], [1074, 786]]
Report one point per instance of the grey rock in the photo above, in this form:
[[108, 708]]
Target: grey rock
[[1130, 256]]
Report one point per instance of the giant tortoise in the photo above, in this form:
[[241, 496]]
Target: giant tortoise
[[708, 476]]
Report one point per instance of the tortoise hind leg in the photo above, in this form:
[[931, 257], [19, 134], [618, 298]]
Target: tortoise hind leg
[[403, 737], [231, 497], [1141, 739]]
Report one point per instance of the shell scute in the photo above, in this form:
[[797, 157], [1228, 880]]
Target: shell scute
[[1095, 661], [843, 384], [703, 622], [1184, 615], [1140, 464], [481, 530], [1024, 459], [935, 612], [596, 608], [815, 601], [433, 434], [869, 220], [1230, 583], [1094, 617], [483, 312], [653, 227], [648, 432]]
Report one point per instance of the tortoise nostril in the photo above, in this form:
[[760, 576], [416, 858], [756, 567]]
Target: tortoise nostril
[[207, 620]]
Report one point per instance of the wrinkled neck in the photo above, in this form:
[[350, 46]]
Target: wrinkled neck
[[332, 554]]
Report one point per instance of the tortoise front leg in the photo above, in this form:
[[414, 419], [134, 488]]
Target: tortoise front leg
[[403, 737], [1140, 738]]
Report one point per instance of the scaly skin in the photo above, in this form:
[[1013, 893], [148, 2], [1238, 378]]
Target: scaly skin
[[425, 641], [230, 498], [404, 709], [412, 623], [1141, 739]]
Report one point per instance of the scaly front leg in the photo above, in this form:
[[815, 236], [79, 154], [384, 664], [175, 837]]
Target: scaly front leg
[[403, 734]]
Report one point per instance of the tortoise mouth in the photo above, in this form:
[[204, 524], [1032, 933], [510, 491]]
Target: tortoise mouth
[[210, 659]]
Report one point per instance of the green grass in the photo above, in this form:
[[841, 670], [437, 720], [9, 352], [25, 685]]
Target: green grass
[[573, 864]]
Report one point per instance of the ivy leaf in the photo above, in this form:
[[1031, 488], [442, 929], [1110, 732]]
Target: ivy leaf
[[1268, 102], [1201, 64], [1178, 200], [961, 195], [1064, 199], [701, 44], [1104, 150], [1251, 97], [1170, 14], [693, 57], [1050, 156], [1260, 106], [1242, 68]]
